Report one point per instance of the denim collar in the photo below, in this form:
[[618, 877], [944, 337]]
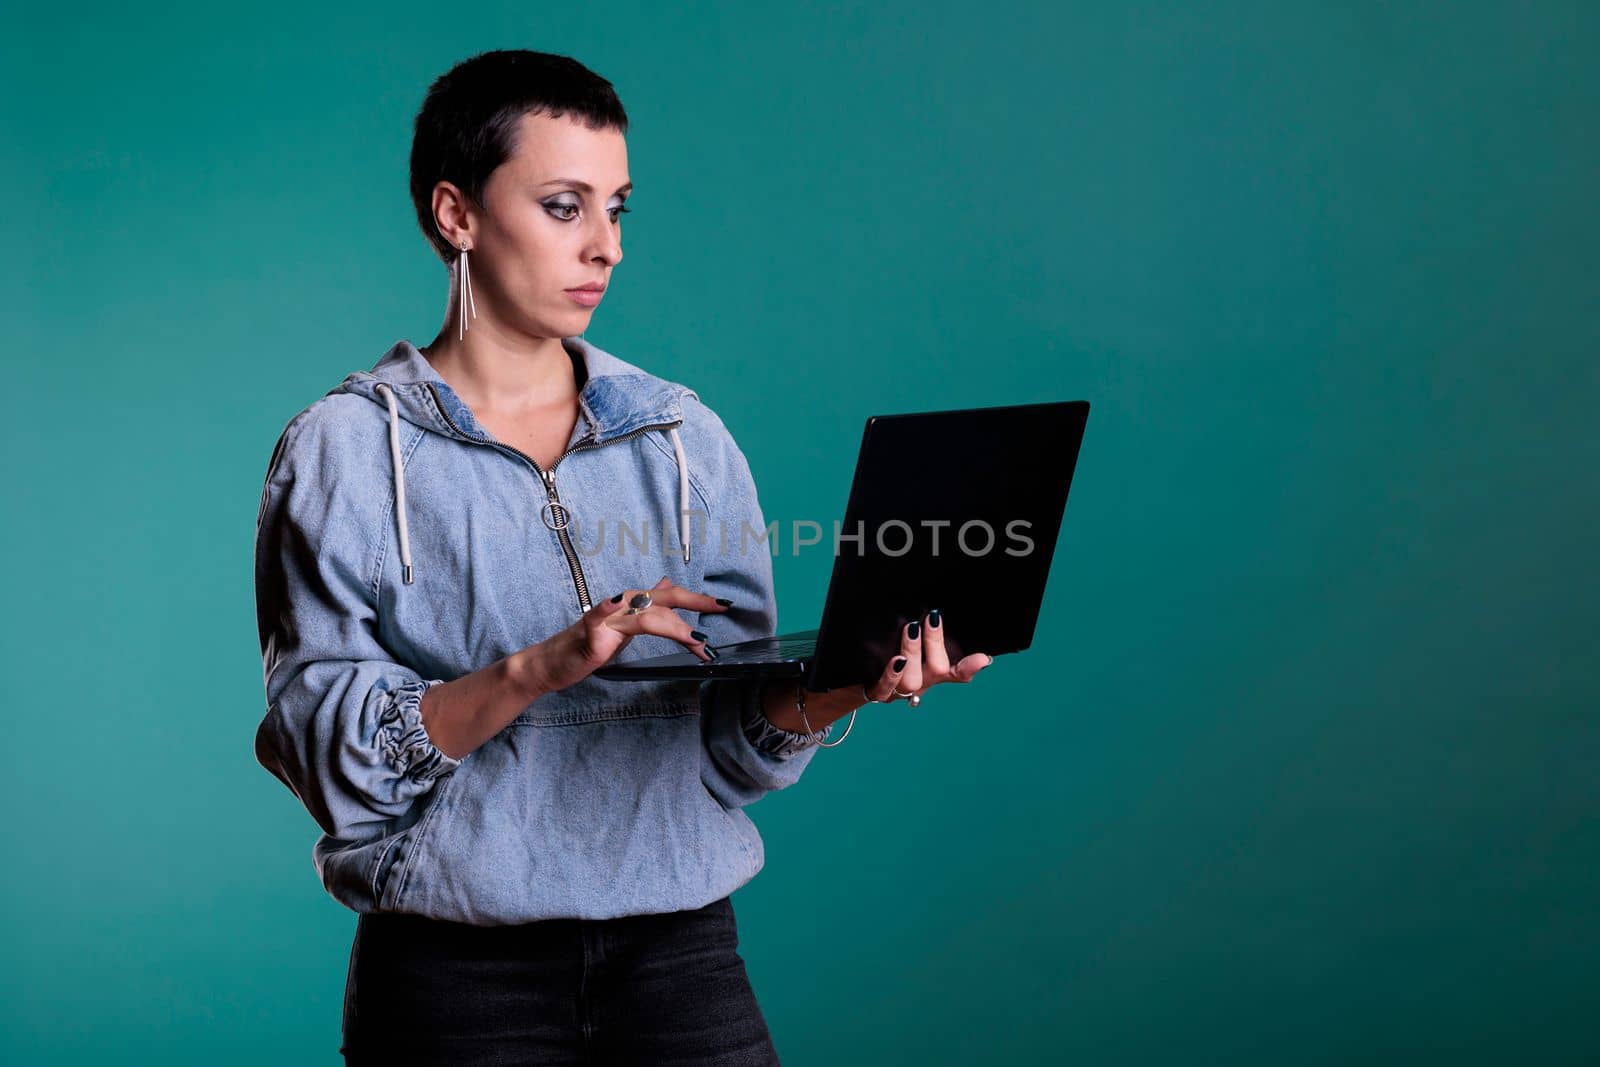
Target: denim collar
[[616, 399]]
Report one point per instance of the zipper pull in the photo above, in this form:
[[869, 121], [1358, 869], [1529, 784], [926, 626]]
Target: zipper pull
[[549, 479]]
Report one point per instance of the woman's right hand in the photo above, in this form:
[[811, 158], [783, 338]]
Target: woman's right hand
[[570, 656]]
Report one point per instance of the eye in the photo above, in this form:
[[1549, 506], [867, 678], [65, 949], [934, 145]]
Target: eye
[[556, 206]]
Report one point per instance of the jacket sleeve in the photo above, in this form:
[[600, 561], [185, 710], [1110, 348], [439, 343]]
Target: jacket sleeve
[[343, 727], [745, 755]]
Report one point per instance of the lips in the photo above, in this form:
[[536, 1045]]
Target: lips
[[592, 287]]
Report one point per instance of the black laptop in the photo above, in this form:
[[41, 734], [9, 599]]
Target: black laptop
[[955, 510]]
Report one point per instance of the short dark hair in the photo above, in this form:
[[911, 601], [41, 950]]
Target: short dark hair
[[467, 125]]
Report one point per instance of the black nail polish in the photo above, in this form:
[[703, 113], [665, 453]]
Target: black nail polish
[[713, 653], [899, 664], [697, 635], [725, 602], [617, 598], [933, 619], [914, 631]]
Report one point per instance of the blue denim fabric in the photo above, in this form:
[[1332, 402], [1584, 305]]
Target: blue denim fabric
[[603, 799]]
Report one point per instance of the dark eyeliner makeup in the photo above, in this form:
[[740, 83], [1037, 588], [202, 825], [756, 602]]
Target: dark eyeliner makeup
[[556, 206]]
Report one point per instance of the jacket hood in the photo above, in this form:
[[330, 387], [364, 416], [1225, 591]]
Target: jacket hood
[[617, 400]]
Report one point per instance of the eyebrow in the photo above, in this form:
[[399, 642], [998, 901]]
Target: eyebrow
[[584, 186]]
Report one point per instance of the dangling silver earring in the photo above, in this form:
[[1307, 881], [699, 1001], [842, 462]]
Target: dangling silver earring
[[465, 295]]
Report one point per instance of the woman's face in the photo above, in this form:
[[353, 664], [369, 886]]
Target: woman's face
[[552, 223]]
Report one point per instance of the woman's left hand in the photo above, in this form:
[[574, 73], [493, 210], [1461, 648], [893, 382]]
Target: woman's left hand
[[923, 663]]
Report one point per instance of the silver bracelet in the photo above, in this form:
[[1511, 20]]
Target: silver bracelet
[[800, 706]]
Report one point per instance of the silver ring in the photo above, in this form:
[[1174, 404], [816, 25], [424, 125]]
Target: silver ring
[[554, 515], [638, 603], [870, 698], [900, 694]]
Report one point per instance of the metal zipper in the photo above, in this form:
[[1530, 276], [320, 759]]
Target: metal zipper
[[548, 477]]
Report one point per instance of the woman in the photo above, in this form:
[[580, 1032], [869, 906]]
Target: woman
[[541, 859]]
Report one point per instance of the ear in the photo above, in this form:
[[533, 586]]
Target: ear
[[452, 216]]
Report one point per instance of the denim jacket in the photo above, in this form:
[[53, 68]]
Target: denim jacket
[[399, 545]]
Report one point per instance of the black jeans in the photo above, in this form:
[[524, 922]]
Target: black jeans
[[645, 989]]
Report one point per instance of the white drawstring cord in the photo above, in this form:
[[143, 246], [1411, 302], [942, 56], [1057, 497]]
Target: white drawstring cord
[[683, 491], [399, 482]]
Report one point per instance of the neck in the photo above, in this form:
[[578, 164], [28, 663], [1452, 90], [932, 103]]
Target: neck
[[495, 372]]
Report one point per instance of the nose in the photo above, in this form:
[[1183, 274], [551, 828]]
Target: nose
[[605, 241]]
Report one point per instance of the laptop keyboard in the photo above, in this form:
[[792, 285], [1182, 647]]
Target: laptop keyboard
[[775, 653]]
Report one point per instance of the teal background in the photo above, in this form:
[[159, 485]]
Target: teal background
[[1302, 766]]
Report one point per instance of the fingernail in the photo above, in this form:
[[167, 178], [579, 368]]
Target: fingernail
[[725, 602], [697, 635], [617, 599], [899, 664], [713, 653], [933, 619], [914, 631]]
